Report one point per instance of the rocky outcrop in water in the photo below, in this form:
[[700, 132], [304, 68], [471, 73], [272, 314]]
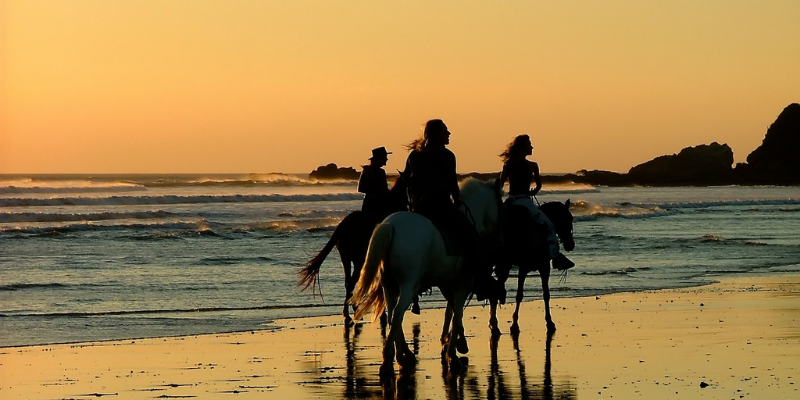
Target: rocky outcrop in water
[[333, 172], [777, 160], [703, 164]]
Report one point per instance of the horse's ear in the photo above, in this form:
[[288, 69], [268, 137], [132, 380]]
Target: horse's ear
[[567, 204]]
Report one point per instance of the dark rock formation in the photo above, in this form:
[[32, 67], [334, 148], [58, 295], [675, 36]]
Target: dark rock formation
[[596, 177], [700, 165], [332, 172], [777, 160]]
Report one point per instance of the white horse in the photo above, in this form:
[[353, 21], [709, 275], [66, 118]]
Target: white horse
[[407, 252]]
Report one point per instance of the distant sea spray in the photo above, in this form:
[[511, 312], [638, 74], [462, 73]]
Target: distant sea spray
[[173, 199]]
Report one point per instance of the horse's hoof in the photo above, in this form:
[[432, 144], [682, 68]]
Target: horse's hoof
[[386, 370], [515, 329], [551, 327], [495, 330], [461, 345], [406, 360], [455, 364]]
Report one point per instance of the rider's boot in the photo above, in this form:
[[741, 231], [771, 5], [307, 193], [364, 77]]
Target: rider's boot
[[562, 263], [484, 285], [415, 306]]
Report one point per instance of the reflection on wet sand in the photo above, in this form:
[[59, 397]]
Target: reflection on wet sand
[[361, 378]]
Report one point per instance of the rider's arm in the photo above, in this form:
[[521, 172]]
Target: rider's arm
[[502, 179], [536, 177], [452, 178], [363, 181], [381, 185]]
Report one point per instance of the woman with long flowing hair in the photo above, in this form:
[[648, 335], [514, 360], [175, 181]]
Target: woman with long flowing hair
[[434, 193], [520, 172]]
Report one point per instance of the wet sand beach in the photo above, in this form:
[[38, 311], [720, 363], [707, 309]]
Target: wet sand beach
[[739, 338]]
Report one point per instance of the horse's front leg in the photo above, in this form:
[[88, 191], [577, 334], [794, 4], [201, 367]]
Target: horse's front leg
[[520, 294], [544, 272], [502, 271], [448, 316]]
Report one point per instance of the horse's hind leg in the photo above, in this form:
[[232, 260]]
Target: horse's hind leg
[[448, 317], [520, 294], [405, 357], [391, 294], [493, 319], [544, 272], [350, 281], [457, 330]]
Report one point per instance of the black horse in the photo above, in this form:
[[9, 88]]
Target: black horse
[[351, 238], [524, 246]]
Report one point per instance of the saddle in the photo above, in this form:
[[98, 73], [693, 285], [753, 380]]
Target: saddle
[[452, 246], [446, 227], [524, 239]]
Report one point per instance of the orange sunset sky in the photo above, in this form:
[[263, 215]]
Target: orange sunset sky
[[106, 86]]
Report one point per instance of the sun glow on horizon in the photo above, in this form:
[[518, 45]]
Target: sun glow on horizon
[[250, 86]]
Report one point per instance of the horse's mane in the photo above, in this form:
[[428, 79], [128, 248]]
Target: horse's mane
[[471, 185]]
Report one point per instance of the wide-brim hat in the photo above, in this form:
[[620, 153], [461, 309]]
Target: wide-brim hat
[[380, 152]]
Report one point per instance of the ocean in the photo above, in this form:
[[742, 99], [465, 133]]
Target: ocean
[[101, 257]]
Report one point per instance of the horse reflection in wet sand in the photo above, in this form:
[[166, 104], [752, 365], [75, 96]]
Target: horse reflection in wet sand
[[351, 238], [505, 378], [407, 252], [524, 246]]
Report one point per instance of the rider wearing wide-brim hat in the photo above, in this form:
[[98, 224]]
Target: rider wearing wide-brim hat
[[519, 171], [372, 183]]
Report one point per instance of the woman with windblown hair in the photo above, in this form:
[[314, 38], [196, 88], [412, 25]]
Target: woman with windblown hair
[[434, 193], [519, 172]]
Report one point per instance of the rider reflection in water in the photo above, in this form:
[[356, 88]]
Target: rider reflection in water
[[434, 193], [519, 172], [372, 183]]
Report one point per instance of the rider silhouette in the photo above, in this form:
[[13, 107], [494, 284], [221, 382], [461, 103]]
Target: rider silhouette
[[373, 184], [519, 172], [434, 193]]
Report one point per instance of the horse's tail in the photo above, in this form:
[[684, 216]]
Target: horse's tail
[[309, 274], [368, 294]]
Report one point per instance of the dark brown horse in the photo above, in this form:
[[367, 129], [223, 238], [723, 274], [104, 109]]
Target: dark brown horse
[[524, 246], [351, 239]]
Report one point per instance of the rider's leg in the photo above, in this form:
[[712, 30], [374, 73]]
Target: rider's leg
[[560, 261]]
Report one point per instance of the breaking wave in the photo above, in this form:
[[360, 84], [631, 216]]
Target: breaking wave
[[710, 204], [101, 216], [174, 199], [70, 189], [585, 211], [177, 229]]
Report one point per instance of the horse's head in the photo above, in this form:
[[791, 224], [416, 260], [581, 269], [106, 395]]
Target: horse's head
[[398, 196], [561, 217]]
